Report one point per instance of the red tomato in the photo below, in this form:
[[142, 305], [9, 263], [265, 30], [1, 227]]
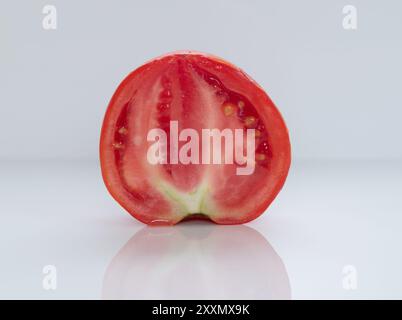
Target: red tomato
[[166, 181]]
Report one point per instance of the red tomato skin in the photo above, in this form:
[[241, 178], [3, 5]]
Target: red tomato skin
[[122, 196]]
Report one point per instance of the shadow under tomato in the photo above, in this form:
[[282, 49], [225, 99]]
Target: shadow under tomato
[[196, 260]]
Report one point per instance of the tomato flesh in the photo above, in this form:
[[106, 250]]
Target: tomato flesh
[[191, 90]]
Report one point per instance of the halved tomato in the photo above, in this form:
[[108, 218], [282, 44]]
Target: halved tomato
[[177, 172]]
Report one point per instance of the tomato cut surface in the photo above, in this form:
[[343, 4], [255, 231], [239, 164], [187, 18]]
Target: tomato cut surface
[[188, 135]]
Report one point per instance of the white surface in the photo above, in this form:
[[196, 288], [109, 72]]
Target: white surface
[[329, 215]]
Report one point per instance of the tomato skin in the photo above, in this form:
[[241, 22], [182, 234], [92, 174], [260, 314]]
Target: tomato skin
[[163, 213]]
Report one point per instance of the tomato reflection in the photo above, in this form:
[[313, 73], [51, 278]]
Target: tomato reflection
[[197, 260]]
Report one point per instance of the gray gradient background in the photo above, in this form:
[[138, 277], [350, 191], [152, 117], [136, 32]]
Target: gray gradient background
[[338, 90]]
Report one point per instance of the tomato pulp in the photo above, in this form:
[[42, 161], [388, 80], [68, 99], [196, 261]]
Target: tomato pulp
[[189, 135]]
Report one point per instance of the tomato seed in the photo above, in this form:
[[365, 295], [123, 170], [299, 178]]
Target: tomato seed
[[228, 109], [249, 121], [118, 145]]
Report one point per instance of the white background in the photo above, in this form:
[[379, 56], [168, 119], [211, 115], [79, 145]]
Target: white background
[[338, 90]]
